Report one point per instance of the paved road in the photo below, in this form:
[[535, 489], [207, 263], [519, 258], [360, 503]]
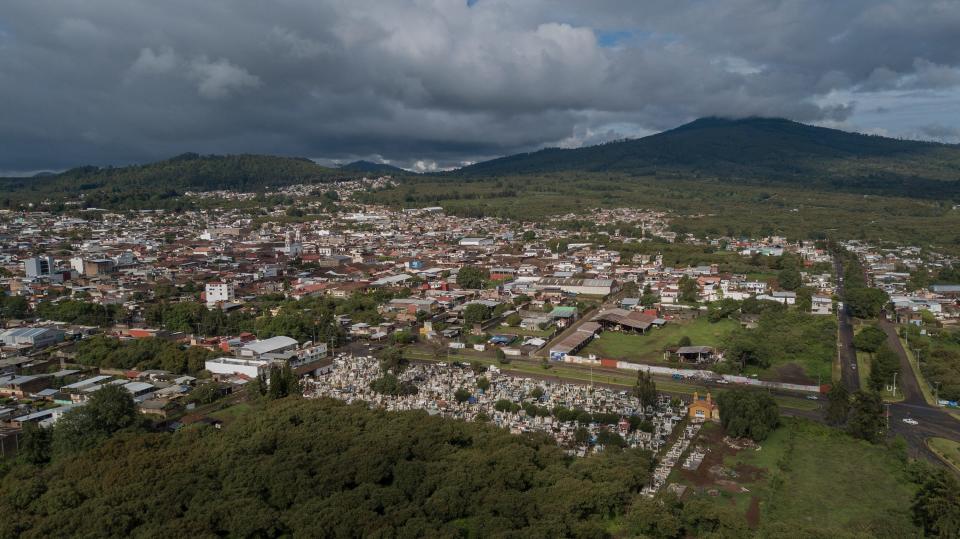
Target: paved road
[[933, 421], [907, 379], [848, 355]]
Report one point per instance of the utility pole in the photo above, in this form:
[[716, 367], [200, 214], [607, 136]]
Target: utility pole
[[894, 385], [936, 393]]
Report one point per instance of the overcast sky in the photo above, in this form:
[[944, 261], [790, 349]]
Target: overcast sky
[[437, 83]]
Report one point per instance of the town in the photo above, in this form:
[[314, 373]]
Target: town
[[541, 327]]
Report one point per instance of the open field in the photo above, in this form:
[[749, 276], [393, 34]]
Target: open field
[[806, 475], [649, 348], [948, 450], [711, 206]]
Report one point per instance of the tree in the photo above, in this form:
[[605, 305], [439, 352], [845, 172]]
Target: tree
[[684, 341], [884, 365], [838, 405], [536, 393], [472, 277], [36, 444], [514, 320], [869, 339], [689, 290], [483, 384], [501, 356], [748, 413], [866, 420], [283, 382], [936, 505], [461, 395], [645, 389], [475, 313], [866, 302], [789, 278], [109, 410], [392, 360]]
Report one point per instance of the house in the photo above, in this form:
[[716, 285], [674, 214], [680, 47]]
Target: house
[[623, 320], [703, 408], [21, 386], [696, 354], [821, 305]]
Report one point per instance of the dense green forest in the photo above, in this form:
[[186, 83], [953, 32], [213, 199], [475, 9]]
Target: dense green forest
[[324, 469], [285, 466]]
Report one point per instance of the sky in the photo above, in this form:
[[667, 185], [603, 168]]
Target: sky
[[434, 84]]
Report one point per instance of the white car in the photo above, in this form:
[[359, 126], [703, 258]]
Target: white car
[[813, 397], [910, 421]]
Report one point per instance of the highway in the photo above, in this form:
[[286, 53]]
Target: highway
[[932, 420]]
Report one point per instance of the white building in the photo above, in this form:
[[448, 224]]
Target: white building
[[219, 293], [274, 346], [38, 266], [230, 366]]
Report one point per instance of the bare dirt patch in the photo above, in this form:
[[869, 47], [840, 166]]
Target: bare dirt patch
[[753, 513], [792, 373]]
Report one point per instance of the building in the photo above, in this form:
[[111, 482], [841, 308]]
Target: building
[[703, 408], [219, 293], [35, 337], [22, 386], [92, 268], [232, 366], [274, 346], [38, 266], [588, 287], [476, 242], [696, 354]]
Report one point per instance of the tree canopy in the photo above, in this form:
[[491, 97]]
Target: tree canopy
[[322, 468], [748, 413]]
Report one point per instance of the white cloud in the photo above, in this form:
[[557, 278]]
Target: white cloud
[[219, 78], [154, 63]]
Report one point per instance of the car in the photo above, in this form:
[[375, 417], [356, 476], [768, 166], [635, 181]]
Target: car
[[910, 421], [813, 397]]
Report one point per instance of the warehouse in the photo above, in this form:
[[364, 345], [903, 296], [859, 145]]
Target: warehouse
[[586, 287]]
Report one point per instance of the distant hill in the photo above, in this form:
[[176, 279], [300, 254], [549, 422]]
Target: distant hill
[[369, 166], [144, 185], [756, 150]]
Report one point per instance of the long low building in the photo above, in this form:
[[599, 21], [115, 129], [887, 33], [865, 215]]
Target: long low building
[[588, 287], [35, 337], [229, 366]]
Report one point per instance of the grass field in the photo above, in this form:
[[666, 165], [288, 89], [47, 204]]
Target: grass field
[[948, 450], [808, 475], [649, 347]]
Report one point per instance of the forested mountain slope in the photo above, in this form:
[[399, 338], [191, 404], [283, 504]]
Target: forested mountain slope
[[757, 150]]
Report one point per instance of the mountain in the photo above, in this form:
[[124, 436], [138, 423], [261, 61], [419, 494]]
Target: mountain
[[370, 166], [145, 185], [756, 150]]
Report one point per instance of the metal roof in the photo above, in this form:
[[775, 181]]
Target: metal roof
[[269, 345]]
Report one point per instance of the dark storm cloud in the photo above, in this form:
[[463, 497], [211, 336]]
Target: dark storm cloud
[[438, 83]]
